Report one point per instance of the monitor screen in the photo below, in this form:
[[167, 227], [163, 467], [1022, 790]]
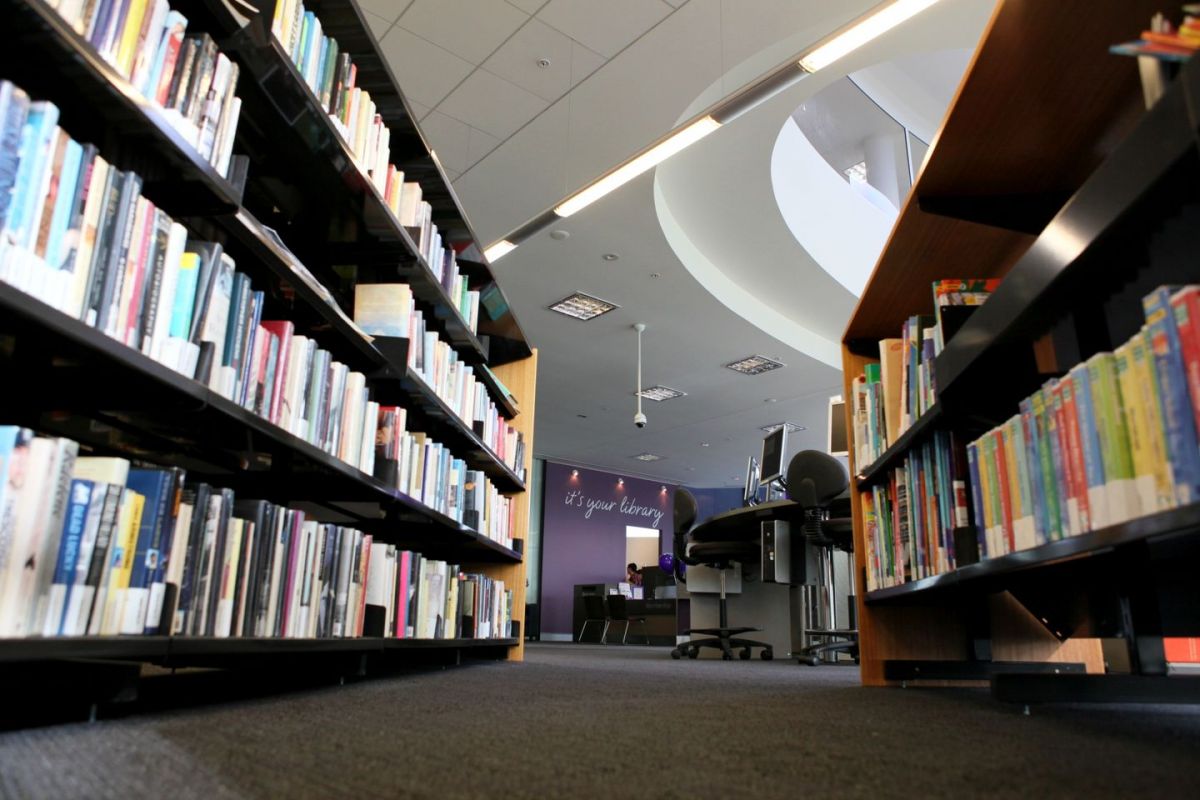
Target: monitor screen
[[750, 491], [772, 455], [838, 445]]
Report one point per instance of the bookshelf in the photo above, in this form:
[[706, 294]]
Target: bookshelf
[[1053, 177], [331, 229]]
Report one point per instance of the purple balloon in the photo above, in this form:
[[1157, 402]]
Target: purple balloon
[[666, 562]]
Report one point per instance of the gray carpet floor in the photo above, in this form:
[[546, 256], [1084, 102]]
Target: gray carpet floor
[[589, 721]]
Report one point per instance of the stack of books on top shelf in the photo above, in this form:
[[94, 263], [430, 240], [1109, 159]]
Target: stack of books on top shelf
[[93, 546], [889, 397], [184, 75], [332, 76], [425, 470], [1112, 440]]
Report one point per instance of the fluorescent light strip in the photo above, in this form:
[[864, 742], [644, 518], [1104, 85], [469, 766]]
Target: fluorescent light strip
[[630, 170], [497, 250], [856, 36]]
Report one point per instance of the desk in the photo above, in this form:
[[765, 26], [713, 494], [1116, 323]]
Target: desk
[[665, 618]]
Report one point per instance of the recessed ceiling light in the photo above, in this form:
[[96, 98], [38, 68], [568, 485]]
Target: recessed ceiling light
[[704, 444], [611, 256], [582, 416], [791, 427], [655, 275], [660, 393], [559, 235], [754, 365], [543, 62], [770, 400], [648, 457], [583, 306]]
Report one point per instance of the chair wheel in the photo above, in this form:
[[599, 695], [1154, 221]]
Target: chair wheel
[[694, 653], [812, 661], [675, 654], [744, 654], [767, 654], [726, 656]]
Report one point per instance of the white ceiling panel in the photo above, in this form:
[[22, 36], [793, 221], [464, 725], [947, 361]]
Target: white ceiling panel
[[419, 110], [479, 144], [517, 60], [492, 104], [491, 189], [449, 138], [676, 3], [387, 9], [529, 6], [378, 24], [426, 72], [605, 27], [471, 29]]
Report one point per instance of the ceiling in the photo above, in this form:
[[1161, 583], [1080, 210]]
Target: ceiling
[[706, 259]]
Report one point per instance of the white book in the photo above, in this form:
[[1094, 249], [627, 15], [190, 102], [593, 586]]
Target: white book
[[110, 596], [227, 577], [176, 240]]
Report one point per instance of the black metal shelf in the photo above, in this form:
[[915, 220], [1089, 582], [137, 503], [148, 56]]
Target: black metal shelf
[[1037, 288], [122, 648], [99, 105], [878, 470], [989, 574], [134, 404]]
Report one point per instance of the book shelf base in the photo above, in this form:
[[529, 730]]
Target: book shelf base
[[905, 670], [1067, 687]]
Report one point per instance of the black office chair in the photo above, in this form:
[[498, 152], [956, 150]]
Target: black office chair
[[721, 555], [594, 611], [618, 612], [818, 482]]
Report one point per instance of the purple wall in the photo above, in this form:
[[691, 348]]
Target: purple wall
[[583, 532]]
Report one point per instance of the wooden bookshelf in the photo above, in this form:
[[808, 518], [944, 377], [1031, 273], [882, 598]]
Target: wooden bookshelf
[[1047, 172], [302, 182]]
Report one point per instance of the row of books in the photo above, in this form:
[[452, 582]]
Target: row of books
[[889, 399], [1112, 440], [909, 520], [93, 546], [387, 309], [332, 75], [427, 471], [186, 76]]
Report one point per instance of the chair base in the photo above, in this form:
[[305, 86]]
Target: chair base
[[724, 639], [847, 642]]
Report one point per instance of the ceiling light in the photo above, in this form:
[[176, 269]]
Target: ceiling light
[[648, 457], [560, 235], [791, 427], [704, 444], [660, 393], [497, 250], [583, 306], [610, 256], [754, 365], [861, 32], [631, 169]]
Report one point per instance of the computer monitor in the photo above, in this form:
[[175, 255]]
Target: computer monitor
[[837, 442], [750, 491], [774, 445]]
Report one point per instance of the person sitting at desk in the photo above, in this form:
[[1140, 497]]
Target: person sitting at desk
[[632, 575]]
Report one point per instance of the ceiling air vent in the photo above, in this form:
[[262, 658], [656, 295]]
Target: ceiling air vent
[[754, 365], [583, 306], [660, 393]]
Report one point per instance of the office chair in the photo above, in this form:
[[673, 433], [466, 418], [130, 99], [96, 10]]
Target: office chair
[[719, 554], [594, 611], [818, 483], [617, 612]]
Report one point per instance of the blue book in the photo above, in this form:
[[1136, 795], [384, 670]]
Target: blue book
[[185, 296], [1032, 459], [1182, 447], [317, 67], [300, 56], [64, 204], [167, 533], [14, 107], [1089, 437], [976, 499], [79, 497], [155, 486], [36, 137]]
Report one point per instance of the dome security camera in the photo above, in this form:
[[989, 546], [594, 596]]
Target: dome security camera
[[639, 419]]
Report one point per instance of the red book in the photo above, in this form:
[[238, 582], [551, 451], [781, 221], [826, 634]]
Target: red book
[[1182, 651], [1186, 306], [284, 330], [142, 250], [174, 43], [1074, 452]]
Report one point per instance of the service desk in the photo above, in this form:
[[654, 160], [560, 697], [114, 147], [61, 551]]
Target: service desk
[[665, 618]]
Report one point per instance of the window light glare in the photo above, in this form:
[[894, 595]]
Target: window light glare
[[497, 250], [865, 31], [630, 170]]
